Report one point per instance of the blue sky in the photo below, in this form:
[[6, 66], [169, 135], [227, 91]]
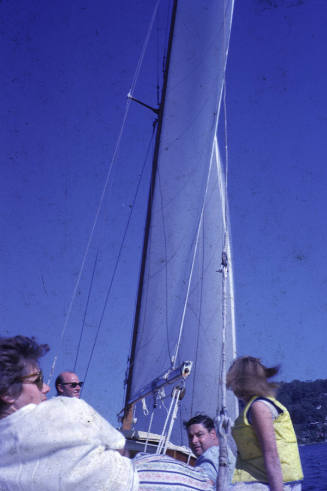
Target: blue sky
[[65, 73], [277, 126]]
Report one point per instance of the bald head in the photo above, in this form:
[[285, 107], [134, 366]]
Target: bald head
[[68, 384]]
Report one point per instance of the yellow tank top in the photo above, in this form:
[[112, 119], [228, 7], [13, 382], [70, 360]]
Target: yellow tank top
[[250, 463]]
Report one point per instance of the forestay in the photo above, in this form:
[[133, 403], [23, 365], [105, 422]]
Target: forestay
[[182, 297]]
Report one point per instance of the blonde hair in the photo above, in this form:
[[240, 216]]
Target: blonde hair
[[247, 377]]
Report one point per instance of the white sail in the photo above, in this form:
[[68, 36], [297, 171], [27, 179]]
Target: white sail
[[182, 296]]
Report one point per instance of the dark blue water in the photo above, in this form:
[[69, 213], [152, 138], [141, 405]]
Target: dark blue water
[[314, 463]]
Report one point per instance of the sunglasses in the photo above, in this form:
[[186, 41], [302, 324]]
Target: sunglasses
[[38, 381], [73, 384]]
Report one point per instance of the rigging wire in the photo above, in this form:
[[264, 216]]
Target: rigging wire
[[163, 436], [165, 44], [148, 432], [119, 254], [91, 235], [174, 358], [85, 312], [157, 69], [177, 393], [145, 44], [103, 193]]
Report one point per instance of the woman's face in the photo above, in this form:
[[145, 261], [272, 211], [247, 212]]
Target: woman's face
[[33, 390]]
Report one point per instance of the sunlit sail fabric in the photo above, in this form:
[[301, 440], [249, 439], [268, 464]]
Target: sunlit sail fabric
[[188, 220]]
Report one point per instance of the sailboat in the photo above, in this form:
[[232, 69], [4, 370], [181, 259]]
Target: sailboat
[[184, 329]]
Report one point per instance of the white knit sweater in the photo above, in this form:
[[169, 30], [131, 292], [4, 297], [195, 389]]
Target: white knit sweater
[[62, 444]]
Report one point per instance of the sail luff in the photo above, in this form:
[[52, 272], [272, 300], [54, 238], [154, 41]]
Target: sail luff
[[126, 425]]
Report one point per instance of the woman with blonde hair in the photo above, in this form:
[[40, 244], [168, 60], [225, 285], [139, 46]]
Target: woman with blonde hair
[[267, 451]]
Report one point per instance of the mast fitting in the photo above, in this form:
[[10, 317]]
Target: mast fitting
[[130, 97]]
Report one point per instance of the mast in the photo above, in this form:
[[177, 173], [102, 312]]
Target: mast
[[127, 417]]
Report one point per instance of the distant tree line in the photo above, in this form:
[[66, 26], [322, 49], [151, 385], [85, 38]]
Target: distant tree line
[[307, 404]]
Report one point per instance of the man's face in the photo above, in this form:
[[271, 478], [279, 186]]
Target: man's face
[[200, 439], [71, 386]]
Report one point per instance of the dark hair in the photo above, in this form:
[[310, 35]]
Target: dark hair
[[14, 353], [247, 377], [200, 419], [59, 380]]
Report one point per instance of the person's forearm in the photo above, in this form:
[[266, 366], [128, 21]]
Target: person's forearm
[[274, 471]]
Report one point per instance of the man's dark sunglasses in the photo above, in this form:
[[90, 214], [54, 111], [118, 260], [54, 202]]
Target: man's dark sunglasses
[[38, 381], [73, 384]]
